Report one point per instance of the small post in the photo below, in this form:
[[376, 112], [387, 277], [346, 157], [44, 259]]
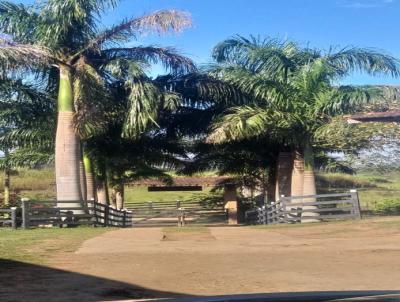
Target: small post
[[356, 203], [124, 219], [25, 213], [231, 203], [14, 218], [106, 214], [178, 204]]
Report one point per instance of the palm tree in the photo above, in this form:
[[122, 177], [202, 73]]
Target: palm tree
[[294, 91], [26, 132], [65, 35]]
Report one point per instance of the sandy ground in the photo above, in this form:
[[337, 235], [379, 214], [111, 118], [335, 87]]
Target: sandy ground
[[148, 262]]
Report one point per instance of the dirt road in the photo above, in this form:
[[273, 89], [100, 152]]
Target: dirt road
[[228, 260]]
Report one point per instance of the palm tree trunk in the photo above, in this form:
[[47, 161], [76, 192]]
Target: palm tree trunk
[[67, 153], [90, 183], [101, 182], [271, 183], [113, 198], [284, 174], [7, 182], [309, 185], [82, 179], [119, 195], [297, 174]]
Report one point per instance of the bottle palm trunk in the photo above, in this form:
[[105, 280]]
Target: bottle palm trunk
[[7, 182], [67, 153], [82, 179], [309, 187], [297, 174], [284, 171], [90, 183], [119, 196]]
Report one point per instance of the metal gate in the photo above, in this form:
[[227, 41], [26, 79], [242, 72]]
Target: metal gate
[[168, 213]]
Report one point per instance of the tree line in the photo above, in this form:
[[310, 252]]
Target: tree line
[[265, 110]]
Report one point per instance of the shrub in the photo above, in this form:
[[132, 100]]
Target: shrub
[[342, 181], [388, 206]]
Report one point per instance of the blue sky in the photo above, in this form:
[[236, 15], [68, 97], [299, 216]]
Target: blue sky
[[319, 23]]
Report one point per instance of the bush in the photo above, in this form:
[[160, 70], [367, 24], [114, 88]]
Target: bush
[[387, 207], [342, 181]]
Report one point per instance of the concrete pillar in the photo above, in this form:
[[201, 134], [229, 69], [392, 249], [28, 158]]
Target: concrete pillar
[[231, 203]]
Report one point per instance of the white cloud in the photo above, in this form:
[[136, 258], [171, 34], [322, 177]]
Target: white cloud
[[364, 3]]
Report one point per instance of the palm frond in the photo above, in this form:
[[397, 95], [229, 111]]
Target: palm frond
[[18, 21], [67, 25], [159, 22], [169, 58], [13, 55], [28, 137], [347, 99], [144, 102], [27, 157], [246, 121], [89, 94], [366, 60]]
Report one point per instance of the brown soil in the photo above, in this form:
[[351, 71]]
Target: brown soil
[[152, 262]]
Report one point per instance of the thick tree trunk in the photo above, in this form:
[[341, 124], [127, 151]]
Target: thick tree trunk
[[101, 183], [309, 187], [284, 174], [82, 179], [7, 183], [113, 198], [297, 174], [119, 196], [90, 183], [7, 180], [271, 184], [67, 153]]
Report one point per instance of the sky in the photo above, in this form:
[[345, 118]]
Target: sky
[[316, 23]]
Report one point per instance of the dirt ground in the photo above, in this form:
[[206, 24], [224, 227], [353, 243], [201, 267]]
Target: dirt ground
[[155, 262]]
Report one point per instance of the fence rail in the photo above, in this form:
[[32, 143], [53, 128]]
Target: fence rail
[[169, 213], [10, 217], [296, 209], [48, 213]]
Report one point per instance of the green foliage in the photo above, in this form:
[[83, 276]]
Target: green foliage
[[292, 89], [388, 207]]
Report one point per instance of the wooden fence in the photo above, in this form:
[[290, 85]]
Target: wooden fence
[[10, 217], [169, 213], [46, 213], [297, 209]]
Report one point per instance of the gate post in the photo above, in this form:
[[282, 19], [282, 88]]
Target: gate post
[[25, 213], [356, 203], [106, 214], [14, 218], [231, 203]]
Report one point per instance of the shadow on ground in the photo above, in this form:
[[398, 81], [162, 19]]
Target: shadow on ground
[[27, 282]]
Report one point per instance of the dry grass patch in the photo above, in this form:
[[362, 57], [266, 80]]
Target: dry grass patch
[[196, 233]]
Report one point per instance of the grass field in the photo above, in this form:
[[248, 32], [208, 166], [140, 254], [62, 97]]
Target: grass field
[[372, 187], [38, 245]]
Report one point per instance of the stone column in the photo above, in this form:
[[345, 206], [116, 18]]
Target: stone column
[[231, 203]]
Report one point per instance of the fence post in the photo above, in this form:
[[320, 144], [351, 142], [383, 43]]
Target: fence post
[[264, 215], [356, 203], [25, 213], [14, 218], [106, 213], [124, 219], [284, 209]]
